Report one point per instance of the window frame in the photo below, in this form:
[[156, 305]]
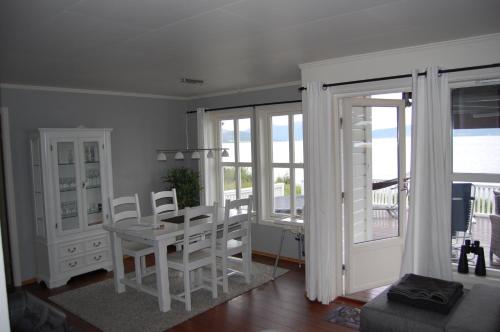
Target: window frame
[[235, 115], [461, 176], [465, 80], [291, 165], [263, 149], [261, 164]]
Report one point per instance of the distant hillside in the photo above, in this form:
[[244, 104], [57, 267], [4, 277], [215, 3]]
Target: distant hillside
[[391, 132], [280, 133]]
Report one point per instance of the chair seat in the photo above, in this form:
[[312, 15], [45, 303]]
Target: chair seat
[[196, 259], [130, 247]]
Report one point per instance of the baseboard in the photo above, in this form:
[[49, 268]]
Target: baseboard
[[284, 258], [28, 282]]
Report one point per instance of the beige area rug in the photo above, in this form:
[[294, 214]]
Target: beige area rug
[[99, 305]]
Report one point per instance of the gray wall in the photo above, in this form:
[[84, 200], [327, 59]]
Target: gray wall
[[264, 238], [140, 125]]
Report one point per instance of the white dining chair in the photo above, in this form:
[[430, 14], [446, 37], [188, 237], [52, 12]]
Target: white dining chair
[[127, 207], [163, 206], [196, 254], [236, 239]]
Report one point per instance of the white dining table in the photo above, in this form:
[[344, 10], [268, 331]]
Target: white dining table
[[159, 236]]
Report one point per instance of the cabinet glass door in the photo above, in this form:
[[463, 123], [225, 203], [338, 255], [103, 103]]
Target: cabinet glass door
[[68, 186], [93, 180]]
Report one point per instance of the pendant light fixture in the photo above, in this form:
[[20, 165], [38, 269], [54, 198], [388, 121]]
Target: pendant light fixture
[[161, 154]]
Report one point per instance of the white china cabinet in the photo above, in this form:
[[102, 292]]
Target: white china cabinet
[[72, 181]]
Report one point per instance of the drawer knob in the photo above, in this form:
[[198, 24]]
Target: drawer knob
[[73, 264], [72, 250], [97, 244], [97, 258]]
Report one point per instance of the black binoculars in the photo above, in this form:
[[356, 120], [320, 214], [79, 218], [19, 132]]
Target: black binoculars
[[476, 249]]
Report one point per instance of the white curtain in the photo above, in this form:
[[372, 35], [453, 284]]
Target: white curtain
[[428, 237], [206, 165], [323, 194]]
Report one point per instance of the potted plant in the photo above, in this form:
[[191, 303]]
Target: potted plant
[[187, 186]]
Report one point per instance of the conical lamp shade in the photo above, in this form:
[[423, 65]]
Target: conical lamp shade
[[225, 153], [210, 154], [179, 156], [161, 156], [195, 155]]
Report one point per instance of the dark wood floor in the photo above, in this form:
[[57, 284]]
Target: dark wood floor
[[279, 306]]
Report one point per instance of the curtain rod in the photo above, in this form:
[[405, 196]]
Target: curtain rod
[[249, 105], [441, 71]]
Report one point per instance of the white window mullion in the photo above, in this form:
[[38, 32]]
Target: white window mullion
[[237, 174], [256, 172], [291, 146], [219, 165]]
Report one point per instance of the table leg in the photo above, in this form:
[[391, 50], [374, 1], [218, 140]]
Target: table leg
[[118, 273], [162, 283], [283, 232]]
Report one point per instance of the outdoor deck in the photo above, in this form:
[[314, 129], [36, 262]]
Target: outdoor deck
[[385, 226]]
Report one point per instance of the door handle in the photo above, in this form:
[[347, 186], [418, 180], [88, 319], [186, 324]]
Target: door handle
[[83, 184]]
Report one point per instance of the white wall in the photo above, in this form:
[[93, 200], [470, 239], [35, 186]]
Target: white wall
[[474, 51]]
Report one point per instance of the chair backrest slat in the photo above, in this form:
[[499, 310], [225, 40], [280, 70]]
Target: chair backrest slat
[[237, 225], [206, 226], [238, 219], [242, 232], [165, 207], [125, 215], [199, 245], [125, 201]]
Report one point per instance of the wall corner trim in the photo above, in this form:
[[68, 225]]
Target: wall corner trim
[[11, 201]]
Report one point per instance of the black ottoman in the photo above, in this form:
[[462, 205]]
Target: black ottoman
[[477, 310]]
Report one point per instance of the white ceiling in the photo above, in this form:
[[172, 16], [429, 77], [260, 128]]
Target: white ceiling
[[148, 45]]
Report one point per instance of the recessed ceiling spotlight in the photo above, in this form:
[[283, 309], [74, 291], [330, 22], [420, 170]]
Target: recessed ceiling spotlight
[[186, 80]]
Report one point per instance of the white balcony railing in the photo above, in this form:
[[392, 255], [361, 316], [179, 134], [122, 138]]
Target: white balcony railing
[[484, 204], [279, 190]]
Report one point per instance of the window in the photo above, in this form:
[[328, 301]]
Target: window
[[268, 165], [235, 134], [475, 114], [476, 129], [287, 164]]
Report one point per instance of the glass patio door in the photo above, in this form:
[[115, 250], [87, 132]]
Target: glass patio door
[[374, 174]]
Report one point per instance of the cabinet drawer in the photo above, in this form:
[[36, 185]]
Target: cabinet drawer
[[71, 249], [96, 257], [72, 264], [97, 243]]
